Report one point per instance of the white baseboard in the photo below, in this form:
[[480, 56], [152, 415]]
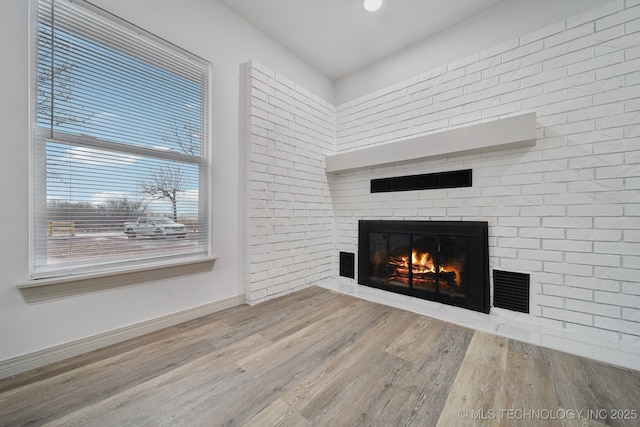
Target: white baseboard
[[40, 358]]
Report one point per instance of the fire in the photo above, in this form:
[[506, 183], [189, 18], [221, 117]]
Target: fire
[[423, 264]]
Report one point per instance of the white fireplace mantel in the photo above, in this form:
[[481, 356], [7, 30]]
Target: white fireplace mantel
[[510, 132]]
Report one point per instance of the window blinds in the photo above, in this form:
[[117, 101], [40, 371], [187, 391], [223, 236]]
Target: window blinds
[[120, 132]]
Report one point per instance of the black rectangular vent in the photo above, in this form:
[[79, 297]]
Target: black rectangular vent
[[511, 290], [428, 181], [347, 264]]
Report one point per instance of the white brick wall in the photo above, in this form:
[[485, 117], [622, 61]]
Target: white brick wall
[[567, 211], [290, 223]]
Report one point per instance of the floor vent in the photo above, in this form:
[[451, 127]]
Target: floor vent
[[429, 181], [347, 264], [511, 291]]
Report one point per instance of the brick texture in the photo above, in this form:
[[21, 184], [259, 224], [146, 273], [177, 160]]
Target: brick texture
[[290, 221], [565, 211]]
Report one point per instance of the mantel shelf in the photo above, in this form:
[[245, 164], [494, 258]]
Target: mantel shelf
[[511, 132]]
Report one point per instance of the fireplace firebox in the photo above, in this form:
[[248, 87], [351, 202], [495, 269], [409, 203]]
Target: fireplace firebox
[[443, 261]]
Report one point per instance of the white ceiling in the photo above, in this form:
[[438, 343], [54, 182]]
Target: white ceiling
[[338, 36]]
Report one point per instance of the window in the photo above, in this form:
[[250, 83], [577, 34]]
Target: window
[[119, 132]]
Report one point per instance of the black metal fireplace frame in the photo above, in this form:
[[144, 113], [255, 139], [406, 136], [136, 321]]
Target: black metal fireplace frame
[[476, 232]]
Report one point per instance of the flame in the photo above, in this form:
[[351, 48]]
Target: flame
[[422, 262], [423, 269]]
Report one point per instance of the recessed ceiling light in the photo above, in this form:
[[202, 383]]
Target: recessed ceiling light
[[372, 5]]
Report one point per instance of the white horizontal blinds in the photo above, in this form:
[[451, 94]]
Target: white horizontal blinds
[[103, 89], [120, 131]]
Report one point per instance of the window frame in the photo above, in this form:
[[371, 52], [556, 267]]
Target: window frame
[[37, 161]]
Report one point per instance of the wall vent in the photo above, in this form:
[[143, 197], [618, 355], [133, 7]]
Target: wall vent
[[511, 291], [347, 264], [428, 181]]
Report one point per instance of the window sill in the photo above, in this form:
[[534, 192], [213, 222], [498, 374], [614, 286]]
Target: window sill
[[44, 289]]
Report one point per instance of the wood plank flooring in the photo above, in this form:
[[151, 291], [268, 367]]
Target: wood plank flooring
[[321, 358]]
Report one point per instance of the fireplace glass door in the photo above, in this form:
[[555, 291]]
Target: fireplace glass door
[[440, 261], [418, 263]]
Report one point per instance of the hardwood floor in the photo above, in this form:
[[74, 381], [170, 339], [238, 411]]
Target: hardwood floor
[[321, 358]]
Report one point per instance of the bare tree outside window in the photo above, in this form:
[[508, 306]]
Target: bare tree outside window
[[165, 185], [186, 137], [167, 182], [55, 83]]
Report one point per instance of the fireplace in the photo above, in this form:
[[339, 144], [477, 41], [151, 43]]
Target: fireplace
[[443, 261]]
